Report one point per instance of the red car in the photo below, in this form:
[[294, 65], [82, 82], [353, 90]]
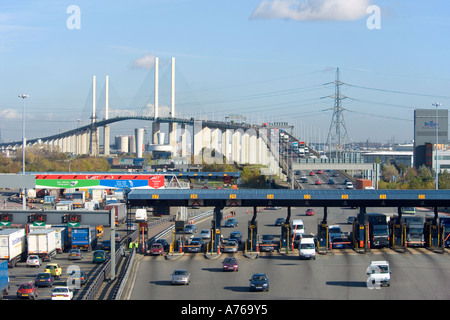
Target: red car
[[230, 264], [319, 171], [318, 182], [311, 173], [310, 212], [156, 249], [27, 290]]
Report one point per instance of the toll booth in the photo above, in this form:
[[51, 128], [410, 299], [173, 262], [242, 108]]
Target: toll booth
[[322, 236], [360, 231], [285, 236], [252, 241], [397, 234], [216, 230], [433, 236]]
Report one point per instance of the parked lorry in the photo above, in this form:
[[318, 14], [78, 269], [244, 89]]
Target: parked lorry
[[42, 242], [12, 246], [83, 237], [414, 231], [363, 184], [4, 279], [78, 198], [378, 229], [65, 205], [119, 210]]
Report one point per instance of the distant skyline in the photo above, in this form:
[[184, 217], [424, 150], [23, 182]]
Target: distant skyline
[[269, 60]]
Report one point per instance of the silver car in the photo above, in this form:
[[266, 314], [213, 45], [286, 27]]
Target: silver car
[[181, 276], [33, 261]]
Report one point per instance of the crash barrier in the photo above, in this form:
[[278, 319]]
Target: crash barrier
[[96, 284]]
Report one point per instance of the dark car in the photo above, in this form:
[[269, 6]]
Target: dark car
[[230, 264], [280, 221], [331, 181], [339, 243], [43, 279], [190, 228], [106, 244], [77, 278], [259, 282], [268, 243], [99, 256], [230, 223], [164, 243], [27, 290], [194, 247], [236, 235]]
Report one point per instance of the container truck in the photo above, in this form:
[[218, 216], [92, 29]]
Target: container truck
[[78, 198], [65, 205], [84, 237], [12, 246], [363, 184], [119, 210], [414, 231], [378, 230], [42, 242], [4, 279]]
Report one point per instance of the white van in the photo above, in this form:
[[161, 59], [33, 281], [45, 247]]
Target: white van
[[379, 274], [307, 248], [141, 215], [297, 226]]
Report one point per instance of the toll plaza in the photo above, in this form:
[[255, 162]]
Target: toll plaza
[[219, 199]]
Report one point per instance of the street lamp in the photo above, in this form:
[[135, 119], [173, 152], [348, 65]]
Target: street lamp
[[437, 104], [23, 96]]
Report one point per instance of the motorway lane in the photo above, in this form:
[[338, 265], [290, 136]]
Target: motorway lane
[[416, 274]]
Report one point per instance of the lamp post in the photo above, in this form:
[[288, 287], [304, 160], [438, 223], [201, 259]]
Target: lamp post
[[23, 97], [437, 104]]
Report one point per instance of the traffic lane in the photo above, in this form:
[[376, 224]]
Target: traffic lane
[[343, 277], [21, 274]]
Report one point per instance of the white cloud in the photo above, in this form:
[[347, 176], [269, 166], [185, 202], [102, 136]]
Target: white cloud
[[145, 62], [10, 114], [316, 10]]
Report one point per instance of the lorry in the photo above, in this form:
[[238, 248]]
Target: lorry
[[379, 274], [415, 236], [12, 246], [78, 198], [4, 279], [119, 210], [65, 205], [307, 247], [42, 242], [83, 237], [378, 229], [362, 184]]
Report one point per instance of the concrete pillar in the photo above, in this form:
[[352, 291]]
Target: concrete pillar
[[155, 133], [132, 144], [253, 147], [106, 140], [236, 146], [197, 142], [156, 87], [173, 138], [206, 137], [215, 137], [184, 140], [139, 134], [226, 147]]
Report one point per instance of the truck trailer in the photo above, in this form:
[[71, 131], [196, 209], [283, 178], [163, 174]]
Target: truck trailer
[[42, 242], [4, 279], [83, 237], [12, 246], [119, 210]]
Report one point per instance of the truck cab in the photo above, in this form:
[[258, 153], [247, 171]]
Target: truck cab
[[379, 274], [307, 247]]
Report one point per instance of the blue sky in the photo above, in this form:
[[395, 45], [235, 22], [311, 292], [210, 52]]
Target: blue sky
[[270, 60]]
